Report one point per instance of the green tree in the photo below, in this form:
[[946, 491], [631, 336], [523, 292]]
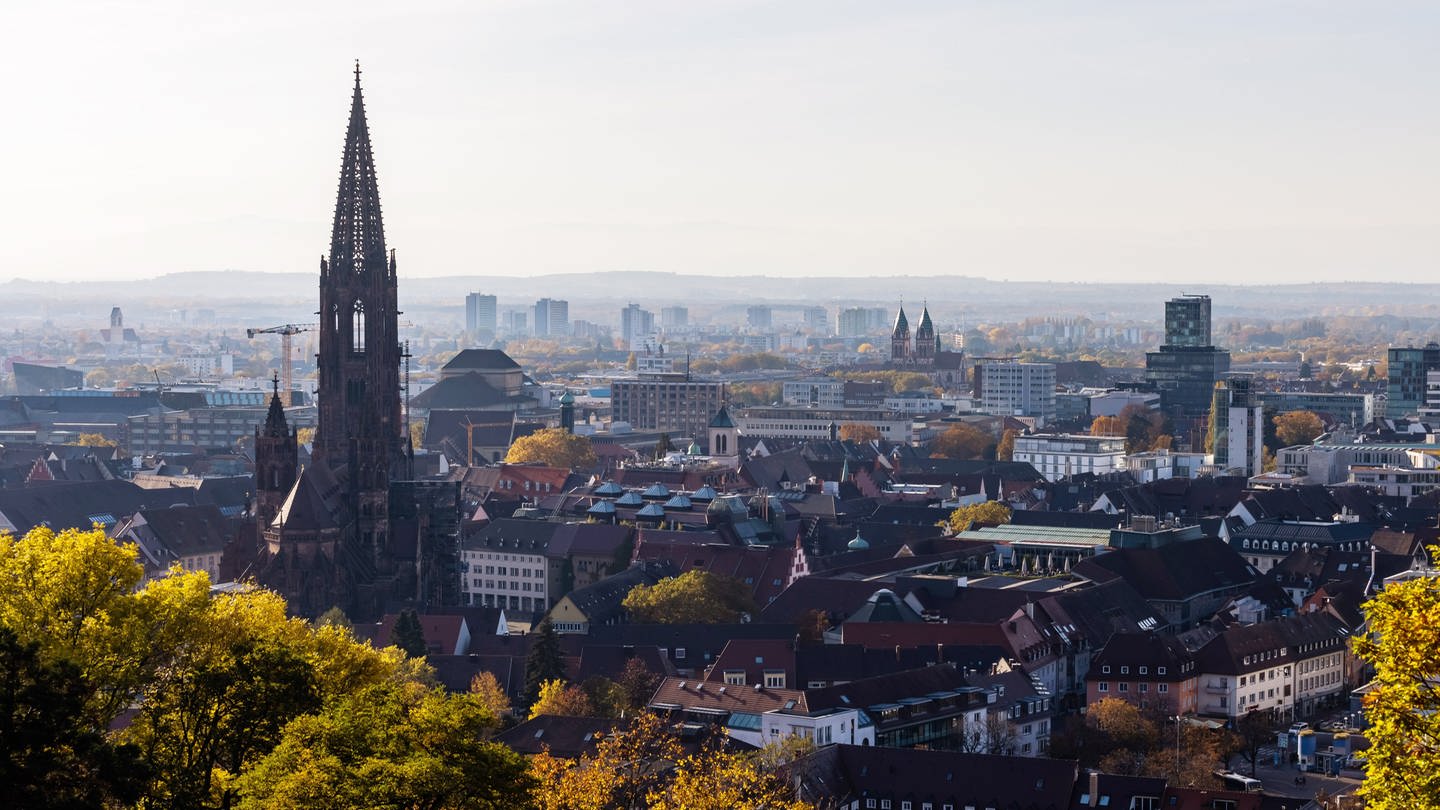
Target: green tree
[[1402, 765], [544, 662], [395, 744], [694, 597], [987, 513], [552, 447], [408, 635], [638, 682], [334, 617], [51, 754]]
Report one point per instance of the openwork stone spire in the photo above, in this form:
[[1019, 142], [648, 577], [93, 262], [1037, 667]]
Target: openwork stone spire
[[357, 241]]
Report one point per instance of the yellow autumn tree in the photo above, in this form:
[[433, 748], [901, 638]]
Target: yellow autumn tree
[[962, 442], [1107, 426], [552, 447], [558, 699], [1402, 768], [1006, 450], [1297, 427], [694, 597], [988, 513], [859, 432]]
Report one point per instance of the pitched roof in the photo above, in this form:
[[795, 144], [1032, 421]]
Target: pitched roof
[[1175, 571], [841, 774], [305, 509], [567, 737], [470, 391], [480, 359], [693, 695]]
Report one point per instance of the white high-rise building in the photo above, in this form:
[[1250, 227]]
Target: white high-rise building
[[1012, 388]]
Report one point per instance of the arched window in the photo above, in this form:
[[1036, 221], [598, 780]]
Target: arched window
[[357, 323]]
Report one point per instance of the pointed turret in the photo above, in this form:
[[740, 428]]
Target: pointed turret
[[277, 455], [925, 341], [275, 424], [900, 339]]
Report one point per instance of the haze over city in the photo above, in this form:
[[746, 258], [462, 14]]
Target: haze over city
[[1115, 141]]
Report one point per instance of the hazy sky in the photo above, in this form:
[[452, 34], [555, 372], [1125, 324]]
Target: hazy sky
[[1221, 141]]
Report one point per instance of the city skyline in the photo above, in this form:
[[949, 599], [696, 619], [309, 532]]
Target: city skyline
[[1235, 143]]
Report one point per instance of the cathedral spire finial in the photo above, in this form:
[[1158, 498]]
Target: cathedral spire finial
[[357, 72]]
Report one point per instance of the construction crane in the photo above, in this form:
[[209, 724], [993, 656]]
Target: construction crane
[[286, 331]]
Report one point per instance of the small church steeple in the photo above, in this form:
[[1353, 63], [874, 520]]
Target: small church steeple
[[277, 457]]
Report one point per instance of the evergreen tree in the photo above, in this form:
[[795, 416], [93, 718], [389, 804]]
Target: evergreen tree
[[544, 662], [408, 635]]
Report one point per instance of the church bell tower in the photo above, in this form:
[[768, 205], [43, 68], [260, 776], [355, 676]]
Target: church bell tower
[[360, 433]]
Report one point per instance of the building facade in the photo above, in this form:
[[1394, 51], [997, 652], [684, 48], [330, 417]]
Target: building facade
[[480, 314], [672, 402], [1012, 388], [1239, 426], [1186, 367], [1406, 381], [1063, 455]]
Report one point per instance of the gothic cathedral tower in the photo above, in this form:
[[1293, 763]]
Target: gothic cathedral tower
[[360, 434], [277, 456]]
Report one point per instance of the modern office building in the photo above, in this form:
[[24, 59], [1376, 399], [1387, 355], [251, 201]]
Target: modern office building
[[479, 314], [1239, 426], [1062, 455], [1005, 387], [1405, 391], [1355, 410], [1185, 369], [817, 319], [670, 402]]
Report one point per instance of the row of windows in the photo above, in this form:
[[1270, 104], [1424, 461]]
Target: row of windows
[[1124, 686]]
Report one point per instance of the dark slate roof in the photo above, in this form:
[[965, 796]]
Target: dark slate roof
[[1072, 520], [190, 530], [1227, 652], [702, 642], [566, 737], [80, 504], [488, 359], [1314, 533], [841, 774], [467, 391], [600, 602], [890, 688], [884, 606], [851, 662], [305, 509], [1189, 497], [1142, 649], [1175, 571]]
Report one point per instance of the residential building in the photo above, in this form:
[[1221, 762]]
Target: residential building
[[1239, 426], [1287, 668], [1409, 368], [552, 317], [759, 316], [1266, 542], [852, 322], [675, 317], [816, 319], [1062, 455], [1160, 465], [1011, 388], [636, 326], [480, 314], [1152, 671], [1184, 370], [670, 402]]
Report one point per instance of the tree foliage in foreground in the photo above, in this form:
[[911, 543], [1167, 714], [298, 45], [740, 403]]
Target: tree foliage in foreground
[[226, 686], [1402, 768], [645, 766]]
